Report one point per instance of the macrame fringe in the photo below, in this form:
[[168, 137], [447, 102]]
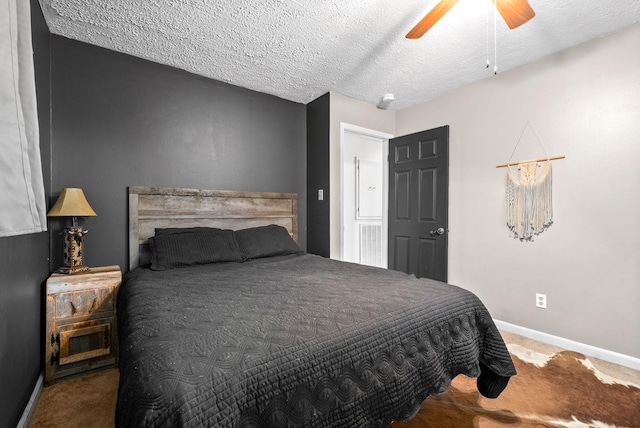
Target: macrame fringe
[[529, 207]]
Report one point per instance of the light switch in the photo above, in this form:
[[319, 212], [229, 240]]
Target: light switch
[[320, 194]]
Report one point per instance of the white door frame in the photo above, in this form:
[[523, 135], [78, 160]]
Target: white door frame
[[384, 137]]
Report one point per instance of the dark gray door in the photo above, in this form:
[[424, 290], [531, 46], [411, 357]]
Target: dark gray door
[[419, 202]]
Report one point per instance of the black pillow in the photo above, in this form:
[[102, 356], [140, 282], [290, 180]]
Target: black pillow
[[266, 241], [192, 248]]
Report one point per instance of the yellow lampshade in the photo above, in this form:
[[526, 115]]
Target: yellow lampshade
[[71, 203]]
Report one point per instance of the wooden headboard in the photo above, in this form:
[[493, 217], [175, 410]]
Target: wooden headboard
[[152, 207]]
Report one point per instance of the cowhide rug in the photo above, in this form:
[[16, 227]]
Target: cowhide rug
[[561, 390]]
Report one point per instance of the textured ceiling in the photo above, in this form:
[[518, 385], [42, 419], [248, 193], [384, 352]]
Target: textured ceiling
[[301, 49]]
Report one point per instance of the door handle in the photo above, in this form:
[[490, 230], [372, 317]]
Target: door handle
[[438, 231]]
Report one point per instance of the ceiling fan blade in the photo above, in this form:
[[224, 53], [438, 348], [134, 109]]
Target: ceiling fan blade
[[431, 18], [514, 12]]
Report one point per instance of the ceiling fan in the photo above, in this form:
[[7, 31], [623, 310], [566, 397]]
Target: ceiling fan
[[514, 12]]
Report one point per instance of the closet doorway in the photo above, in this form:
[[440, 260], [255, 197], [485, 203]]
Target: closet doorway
[[364, 195]]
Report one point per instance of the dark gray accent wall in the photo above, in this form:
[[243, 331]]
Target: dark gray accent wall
[[318, 176], [24, 269], [120, 121], [22, 275]]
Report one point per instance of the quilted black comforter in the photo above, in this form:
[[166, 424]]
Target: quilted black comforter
[[295, 341]]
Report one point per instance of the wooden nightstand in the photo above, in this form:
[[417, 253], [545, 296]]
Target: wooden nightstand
[[81, 330]]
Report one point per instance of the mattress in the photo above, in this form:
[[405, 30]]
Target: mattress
[[296, 340]]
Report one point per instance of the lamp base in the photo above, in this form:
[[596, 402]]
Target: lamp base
[[73, 240], [70, 270]]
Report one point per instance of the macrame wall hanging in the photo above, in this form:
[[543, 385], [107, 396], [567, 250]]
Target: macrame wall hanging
[[529, 193]]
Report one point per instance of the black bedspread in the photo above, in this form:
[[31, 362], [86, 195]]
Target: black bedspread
[[295, 341]]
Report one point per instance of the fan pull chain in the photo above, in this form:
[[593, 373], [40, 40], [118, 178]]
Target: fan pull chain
[[486, 21]]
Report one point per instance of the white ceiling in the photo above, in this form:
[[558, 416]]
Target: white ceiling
[[300, 49]]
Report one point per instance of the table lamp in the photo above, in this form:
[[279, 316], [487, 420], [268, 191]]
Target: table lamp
[[72, 203]]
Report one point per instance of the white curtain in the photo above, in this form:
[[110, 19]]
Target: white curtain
[[22, 197]]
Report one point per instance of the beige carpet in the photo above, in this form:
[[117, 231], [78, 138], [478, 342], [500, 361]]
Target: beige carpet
[[87, 401], [553, 388]]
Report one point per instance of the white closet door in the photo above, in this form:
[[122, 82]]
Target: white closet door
[[369, 189]]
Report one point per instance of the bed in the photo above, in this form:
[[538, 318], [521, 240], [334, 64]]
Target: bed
[[224, 322]]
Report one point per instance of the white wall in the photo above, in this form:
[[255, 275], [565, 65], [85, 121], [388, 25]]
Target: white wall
[[353, 112], [584, 103]]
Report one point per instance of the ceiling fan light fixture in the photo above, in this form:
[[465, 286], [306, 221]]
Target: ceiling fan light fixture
[[385, 101]]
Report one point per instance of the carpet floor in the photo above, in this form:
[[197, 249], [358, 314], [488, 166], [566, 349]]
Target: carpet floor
[[554, 388]]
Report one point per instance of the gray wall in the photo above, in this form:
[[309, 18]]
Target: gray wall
[[121, 121], [24, 267]]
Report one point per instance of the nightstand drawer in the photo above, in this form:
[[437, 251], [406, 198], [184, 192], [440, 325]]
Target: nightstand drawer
[[81, 303]]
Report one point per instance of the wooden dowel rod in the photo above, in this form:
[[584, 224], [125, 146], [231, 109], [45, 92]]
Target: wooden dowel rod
[[502, 165]]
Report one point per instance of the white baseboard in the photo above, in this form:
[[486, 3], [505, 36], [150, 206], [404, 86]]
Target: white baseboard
[[31, 405], [588, 350]]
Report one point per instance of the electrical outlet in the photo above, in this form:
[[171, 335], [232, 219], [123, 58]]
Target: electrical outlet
[[541, 301]]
